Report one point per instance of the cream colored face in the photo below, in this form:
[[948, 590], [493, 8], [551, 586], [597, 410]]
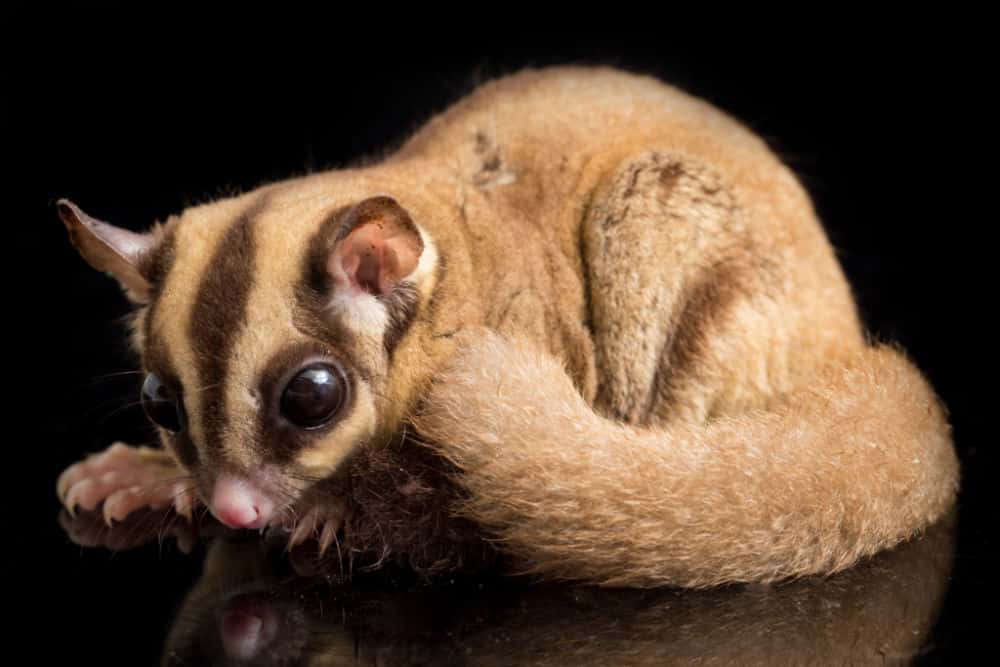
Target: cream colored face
[[269, 332]]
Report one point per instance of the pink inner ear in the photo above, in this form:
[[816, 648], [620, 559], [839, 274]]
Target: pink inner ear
[[376, 256]]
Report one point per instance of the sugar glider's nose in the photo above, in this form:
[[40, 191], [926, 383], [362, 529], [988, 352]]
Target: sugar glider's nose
[[239, 503]]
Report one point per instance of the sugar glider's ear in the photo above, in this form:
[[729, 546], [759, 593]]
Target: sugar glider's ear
[[377, 246], [110, 249]]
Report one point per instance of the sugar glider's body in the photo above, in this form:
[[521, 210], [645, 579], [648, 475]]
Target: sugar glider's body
[[603, 307]]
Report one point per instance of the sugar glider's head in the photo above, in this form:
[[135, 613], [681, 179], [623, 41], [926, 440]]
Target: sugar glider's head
[[267, 328]]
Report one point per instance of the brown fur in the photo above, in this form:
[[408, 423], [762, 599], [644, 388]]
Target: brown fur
[[644, 360], [402, 501]]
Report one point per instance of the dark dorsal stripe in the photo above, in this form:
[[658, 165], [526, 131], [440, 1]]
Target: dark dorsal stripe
[[217, 319]]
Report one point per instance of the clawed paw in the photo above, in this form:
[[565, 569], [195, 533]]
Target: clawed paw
[[124, 479]]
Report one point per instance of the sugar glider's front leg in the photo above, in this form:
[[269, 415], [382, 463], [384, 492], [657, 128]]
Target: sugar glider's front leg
[[124, 479]]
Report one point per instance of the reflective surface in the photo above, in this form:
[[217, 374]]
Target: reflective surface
[[252, 605]]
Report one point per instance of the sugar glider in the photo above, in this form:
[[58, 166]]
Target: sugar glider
[[580, 319]]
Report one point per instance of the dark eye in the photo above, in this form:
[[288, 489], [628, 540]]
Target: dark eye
[[314, 396], [161, 405]]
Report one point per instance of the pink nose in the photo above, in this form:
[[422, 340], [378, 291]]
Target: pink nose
[[239, 503]]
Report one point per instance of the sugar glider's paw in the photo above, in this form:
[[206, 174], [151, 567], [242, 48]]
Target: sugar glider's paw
[[320, 522], [125, 479]]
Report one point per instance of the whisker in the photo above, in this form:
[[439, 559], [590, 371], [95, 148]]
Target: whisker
[[108, 401], [119, 410], [138, 526], [340, 555], [108, 377]]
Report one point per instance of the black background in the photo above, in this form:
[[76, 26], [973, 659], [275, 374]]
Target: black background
[[135, 118]]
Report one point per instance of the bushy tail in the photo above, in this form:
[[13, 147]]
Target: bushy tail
[[840, 470]]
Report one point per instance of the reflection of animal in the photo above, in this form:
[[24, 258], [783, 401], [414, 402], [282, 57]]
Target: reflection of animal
[[245, 608], [606, 304]]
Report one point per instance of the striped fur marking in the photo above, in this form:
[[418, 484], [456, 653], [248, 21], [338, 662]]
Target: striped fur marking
[[217, 317]]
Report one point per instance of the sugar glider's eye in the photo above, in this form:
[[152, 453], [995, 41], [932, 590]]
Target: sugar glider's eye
[[314, 396], [161, 405]]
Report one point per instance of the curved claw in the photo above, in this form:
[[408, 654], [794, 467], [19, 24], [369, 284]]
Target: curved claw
[[121, 503], [305, 528], [124, 478], [67, 479], [328, 535], [184, 501], [80, 494]]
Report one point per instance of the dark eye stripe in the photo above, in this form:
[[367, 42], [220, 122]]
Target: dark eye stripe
[[285, 439], [156, 268], [156, 358]]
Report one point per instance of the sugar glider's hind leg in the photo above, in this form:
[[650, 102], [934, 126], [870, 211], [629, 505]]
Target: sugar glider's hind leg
[[670, 260], [124, 479], [705, 302]]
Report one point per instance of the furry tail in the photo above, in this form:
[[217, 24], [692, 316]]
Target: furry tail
[[840, 470]]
